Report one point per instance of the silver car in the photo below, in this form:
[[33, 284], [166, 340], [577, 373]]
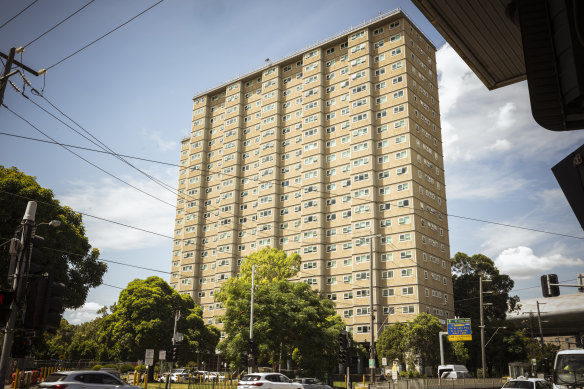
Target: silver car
[[267, 381], [85, 379], [311, 383]]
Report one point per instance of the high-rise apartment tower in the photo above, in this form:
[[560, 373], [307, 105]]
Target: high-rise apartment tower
[[334, 152]]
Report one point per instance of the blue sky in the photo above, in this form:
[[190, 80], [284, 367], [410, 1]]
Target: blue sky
[[133, 90]]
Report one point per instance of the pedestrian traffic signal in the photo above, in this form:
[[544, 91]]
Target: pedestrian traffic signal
[[547, 287]]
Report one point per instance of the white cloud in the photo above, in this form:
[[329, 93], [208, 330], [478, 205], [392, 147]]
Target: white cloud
[[476, 121], [115, 201], [482, 182], [521, 263], [500, 145], [163, 144], [84, 314]]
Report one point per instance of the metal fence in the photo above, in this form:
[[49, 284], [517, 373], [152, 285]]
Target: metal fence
[[435, 383]]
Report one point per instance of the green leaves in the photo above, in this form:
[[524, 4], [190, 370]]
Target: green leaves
[[67, 248], [290, 319], [401, 341]]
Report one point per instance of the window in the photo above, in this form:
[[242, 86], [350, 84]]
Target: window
[[401, 170], [408, 290], [363, 329], [408, 309], [407, 272]]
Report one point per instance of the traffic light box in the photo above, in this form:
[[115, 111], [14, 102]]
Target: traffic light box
[[343, 347], [170, 354], [20, 347], [6, 297], [175, 353], [44, 296], [547, 288]]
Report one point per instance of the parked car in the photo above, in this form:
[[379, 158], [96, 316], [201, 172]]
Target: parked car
[[84, 379], [311, 383], [528, 383], [442, 369], [455, 375], [267, 381]]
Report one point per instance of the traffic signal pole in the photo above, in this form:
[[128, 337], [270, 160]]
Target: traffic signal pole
[[20, 250]]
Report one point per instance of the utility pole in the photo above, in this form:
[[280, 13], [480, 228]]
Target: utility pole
[[543, 359], [371, 312], [250, 360], [20, 253], [7, 73], [482, 326]]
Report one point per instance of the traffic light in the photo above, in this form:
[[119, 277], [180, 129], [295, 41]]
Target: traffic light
[[44, 296], [547, 288], [175, 353], [170, 354], [20, 347], [6, 297], [343, 347]]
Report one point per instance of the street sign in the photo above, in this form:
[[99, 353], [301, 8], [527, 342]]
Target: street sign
[[149, 357], [372, 363], [384, 361], [459, 330], [162, 355]]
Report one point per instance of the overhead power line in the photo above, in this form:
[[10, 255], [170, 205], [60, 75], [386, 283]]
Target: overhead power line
[[99, 259], [89, 162], [235, 176], [91, 216], [18, 14], [88, 149], [58, 24], [104, 35]]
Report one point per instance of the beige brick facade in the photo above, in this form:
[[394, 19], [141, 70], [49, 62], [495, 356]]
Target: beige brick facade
[[313, 154]]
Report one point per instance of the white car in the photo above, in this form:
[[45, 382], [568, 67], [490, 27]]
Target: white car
[[267, 381], [528, 383], [84, 379]]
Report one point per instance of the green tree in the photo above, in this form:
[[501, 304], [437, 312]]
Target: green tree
[[391, 343], [67, 249], [290, 319], [403, 342], [422, 339], [466, 273], [143, 318], [270, 265]]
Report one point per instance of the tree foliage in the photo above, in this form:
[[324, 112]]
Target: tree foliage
[[467, 271], [144, 318], [67, 249], [404, 342], [290, 319]]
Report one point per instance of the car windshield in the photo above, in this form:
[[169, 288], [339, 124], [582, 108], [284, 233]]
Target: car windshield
[[251, 377], [519, 384], [570, 369]]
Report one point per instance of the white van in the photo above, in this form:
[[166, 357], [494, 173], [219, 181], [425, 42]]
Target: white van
[[453, 372], [569, 369]]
